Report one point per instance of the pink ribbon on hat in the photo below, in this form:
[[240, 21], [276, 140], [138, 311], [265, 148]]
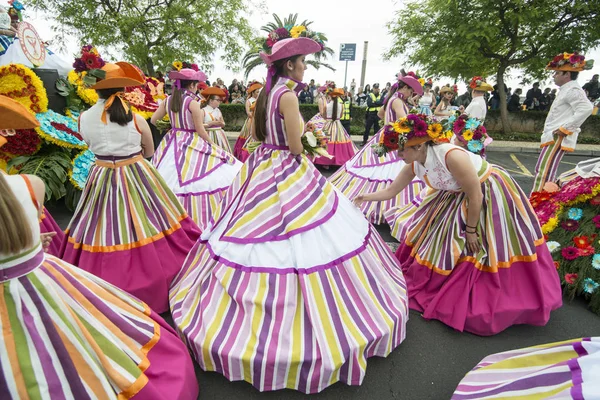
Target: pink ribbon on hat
[[271, 72], [177, 84]]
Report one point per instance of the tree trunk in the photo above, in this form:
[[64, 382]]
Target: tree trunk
[[150, 66], [503, 104]]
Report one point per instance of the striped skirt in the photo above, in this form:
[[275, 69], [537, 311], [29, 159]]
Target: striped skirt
[[238, 149], [130, 230], [219, 137], [363, 174], [302, 310], [340, 145], [48, 224], [512, 280], [562, 370], [67, 334]]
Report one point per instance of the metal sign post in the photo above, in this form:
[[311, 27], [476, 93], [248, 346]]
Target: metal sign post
[[347, 53]]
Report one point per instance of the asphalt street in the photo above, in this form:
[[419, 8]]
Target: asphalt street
[[433, 358]]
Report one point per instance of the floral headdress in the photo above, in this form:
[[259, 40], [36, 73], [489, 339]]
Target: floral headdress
[[409, 131], [89, 65], [476, 81], [179, 65], [329, 87], [469, 131], [291, 32], [18, 7], [570, 62]]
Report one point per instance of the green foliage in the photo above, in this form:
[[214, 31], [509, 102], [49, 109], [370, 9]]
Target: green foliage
[[51, 165], [67, 90], [155, 32], [252, 59], [460, 38], [582, 266]]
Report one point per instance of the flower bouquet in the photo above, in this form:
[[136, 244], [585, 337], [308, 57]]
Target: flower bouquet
[[314, 142], [470, 132]]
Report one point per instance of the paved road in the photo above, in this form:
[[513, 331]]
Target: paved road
[[433, 358]]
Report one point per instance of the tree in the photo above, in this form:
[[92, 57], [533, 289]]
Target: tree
[[156, 32], [464, 38], [252, 59]]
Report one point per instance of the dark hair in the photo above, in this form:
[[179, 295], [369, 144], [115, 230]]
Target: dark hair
[[116, 112], [335, 108], [260, 111], [392, 91], [574, 75], [177, 96]]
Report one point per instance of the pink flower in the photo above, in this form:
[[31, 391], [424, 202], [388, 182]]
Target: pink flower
[[459, 125], [570, 225], [596, 221], [270, 42], [477, 135], [420, 128], [571, 278], [570, 253]]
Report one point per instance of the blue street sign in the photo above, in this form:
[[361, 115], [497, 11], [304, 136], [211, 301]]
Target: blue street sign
[[348, 52]]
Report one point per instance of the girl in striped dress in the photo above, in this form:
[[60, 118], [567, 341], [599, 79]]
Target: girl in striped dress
[[213, 119], [67, 334], [272, 293], [240, 150], [561, 370], [195, 169], [368, 172], [128, 228], [339, 145], [472, 250]]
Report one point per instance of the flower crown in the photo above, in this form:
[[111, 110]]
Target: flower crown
[[469, 131], [476, 82], [179, 65], [291, 32], [573, 60], [414, 127], [330, 87]]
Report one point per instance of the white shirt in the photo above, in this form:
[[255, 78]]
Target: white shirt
[[569, 111], [211, 114], [477, 108]]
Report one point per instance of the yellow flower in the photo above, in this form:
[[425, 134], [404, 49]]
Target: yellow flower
[[402, 126], [566, 56], [177, 65], [93, 50], [435, 130], [35, 102], [297, 31], [467, 135], [421, 81], [550, 226]]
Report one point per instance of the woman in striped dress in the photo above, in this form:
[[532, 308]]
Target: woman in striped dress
[[367, 172], [128, 228], [67, 334], [240, 151], [339, 144], [472, 250], [272, 293], [561, 370], [195, 169], [213, 118]]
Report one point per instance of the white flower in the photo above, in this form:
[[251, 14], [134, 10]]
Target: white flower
[[553, 246], [311, 139]]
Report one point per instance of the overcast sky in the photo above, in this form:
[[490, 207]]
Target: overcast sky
[[342, 22]]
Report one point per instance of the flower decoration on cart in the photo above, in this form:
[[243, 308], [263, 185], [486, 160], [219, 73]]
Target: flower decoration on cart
[[82, 164], [409, 131], [21, 84], [470, 132]]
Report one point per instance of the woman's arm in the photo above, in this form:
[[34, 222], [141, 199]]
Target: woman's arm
[[398, 109], [147, 141], [402, 180], [461, 168], [248, 112], [289, 108], [159, 113], [439, 111], [198, 117]]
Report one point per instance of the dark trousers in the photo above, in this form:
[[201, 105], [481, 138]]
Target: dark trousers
[[346, 125], [371, 120]]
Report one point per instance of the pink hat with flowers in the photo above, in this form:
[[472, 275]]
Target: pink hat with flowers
[[412, 80], [290, 47], [187, 74]]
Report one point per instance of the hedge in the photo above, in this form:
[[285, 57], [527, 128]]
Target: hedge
[[527, 125]]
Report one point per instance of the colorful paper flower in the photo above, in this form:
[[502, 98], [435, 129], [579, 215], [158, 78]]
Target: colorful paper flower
[[570, 225], [575, 214], [553, 246], [589, 285], [571, 278], [570, 253], [596, 261]]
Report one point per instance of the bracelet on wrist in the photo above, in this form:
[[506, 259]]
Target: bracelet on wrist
[[466, 231], [469, 226]]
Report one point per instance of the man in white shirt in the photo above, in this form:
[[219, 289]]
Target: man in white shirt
[[568, 112], [478, 107]]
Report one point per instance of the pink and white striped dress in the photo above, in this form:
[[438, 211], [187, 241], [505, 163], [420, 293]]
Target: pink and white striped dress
[[290, 287]]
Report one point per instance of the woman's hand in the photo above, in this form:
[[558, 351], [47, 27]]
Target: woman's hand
[[358, 200], [473, 244], [47, 239]]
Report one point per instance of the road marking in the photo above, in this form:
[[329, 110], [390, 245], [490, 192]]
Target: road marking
[[520, 165]]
